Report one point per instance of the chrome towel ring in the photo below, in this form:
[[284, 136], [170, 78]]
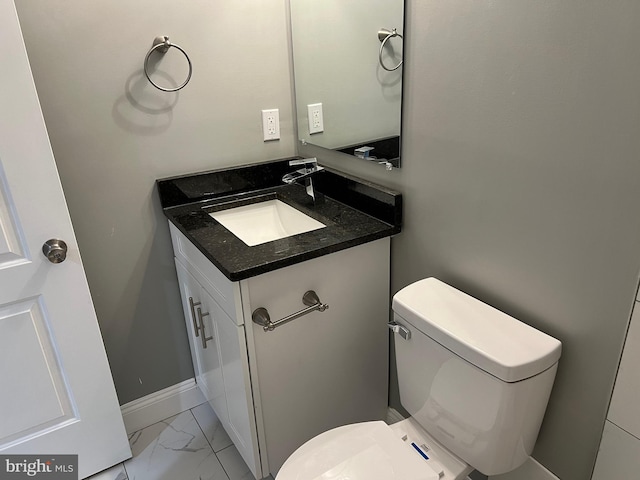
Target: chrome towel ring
[[384, 35], [162, 45]]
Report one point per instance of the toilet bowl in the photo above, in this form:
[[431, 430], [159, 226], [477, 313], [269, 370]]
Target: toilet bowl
[[475, 380]]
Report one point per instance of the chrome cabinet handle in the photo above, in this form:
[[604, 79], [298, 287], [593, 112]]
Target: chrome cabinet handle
[[205, 339], [55, 250], [193, 306], [261, 316]]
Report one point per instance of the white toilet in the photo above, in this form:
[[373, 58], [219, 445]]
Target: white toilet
[[475, 381]]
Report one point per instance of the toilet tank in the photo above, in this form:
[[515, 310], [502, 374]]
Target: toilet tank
[[475, 378]]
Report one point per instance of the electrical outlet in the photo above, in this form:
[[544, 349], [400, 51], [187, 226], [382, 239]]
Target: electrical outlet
[[316, 123], [271, 124]]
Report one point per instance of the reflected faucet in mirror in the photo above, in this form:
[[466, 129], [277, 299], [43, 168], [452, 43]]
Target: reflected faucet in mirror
[[310, 167]]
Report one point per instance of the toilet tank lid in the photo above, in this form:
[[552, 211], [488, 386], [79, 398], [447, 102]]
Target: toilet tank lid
[[484, 336]]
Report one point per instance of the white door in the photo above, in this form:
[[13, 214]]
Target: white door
[[56, 391]]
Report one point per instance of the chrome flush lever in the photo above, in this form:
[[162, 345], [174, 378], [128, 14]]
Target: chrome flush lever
[[400, 329]]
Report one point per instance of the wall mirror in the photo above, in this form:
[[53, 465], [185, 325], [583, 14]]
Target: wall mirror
[[347, 62]]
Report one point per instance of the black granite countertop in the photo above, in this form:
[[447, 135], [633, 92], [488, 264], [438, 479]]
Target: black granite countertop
[[353, 210]]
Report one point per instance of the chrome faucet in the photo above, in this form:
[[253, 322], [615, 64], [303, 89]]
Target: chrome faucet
[[310, 167]]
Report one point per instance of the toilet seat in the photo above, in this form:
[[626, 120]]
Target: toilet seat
[[360, 451]]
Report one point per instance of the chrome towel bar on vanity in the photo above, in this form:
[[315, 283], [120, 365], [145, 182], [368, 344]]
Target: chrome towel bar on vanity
[[310, 298]]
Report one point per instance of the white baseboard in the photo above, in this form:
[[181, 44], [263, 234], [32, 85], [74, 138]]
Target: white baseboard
[[159, 405], [530, 470], [393, 416]]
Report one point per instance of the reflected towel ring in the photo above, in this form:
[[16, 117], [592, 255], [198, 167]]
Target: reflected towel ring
[[162, 45], [384, 35]]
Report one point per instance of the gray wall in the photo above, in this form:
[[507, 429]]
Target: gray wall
[[113, 135], [522, 182]]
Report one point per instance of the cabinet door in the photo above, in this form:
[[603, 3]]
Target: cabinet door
[[199, 312], [209, 356], [190, 291], [235, 367]]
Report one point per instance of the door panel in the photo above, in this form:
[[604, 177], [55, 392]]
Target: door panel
[[41, 400], [12, 247]]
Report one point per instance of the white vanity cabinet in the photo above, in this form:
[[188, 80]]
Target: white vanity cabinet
[[274, 390]]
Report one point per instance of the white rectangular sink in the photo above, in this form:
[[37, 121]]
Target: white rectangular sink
[[265, 221]]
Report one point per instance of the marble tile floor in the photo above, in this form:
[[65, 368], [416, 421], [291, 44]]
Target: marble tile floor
[[192, 445]]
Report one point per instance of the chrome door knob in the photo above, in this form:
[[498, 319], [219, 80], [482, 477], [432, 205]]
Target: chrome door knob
[[55, 250]]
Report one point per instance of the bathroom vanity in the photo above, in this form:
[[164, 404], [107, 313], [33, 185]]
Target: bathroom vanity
[[275, 385]]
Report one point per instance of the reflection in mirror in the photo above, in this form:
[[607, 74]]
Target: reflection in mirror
[[348, 89]]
